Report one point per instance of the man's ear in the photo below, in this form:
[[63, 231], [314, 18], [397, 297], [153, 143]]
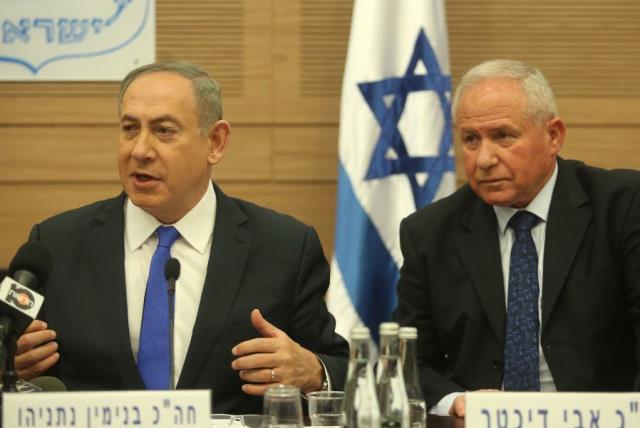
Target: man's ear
[[556, 131], [219, 136]]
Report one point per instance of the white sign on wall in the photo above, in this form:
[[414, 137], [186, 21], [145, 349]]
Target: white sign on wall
[[75, 39]]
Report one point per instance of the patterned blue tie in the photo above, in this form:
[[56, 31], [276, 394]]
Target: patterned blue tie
[[521, 355], [153, 350]]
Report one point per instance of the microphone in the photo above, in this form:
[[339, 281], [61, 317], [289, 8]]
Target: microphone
[[31, 265], [19, 304], [171, 273]]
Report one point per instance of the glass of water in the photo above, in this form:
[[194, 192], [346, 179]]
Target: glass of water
[[325, 408], [282, 407]]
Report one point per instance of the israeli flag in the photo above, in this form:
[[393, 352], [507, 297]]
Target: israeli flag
[[396, 152]]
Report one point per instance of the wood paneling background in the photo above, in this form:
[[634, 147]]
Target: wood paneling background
[[280, 64]]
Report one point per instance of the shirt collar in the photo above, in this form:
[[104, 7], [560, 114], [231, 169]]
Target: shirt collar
[[140, 225], [538, 206]]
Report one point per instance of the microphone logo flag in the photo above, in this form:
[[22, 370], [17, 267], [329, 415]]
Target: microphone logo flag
[[20, 296]]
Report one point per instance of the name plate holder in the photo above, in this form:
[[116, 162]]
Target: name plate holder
[[112, 409], [552, 410]]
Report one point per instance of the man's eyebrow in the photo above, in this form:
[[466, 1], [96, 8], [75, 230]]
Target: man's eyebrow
[[128, 118], [159, 119], [467, 130], [166, 118]]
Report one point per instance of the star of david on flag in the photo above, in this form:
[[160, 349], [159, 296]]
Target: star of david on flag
[[391, 141], [395, 149]]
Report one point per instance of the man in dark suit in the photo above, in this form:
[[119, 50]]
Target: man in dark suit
[[577, 327], [241, 265]]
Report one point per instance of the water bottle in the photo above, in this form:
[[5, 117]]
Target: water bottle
[[360, 406], [392, 394], [408, 356]]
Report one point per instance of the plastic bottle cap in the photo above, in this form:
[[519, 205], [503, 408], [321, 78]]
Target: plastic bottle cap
[[360, 332], [389, 328], [408, 333]]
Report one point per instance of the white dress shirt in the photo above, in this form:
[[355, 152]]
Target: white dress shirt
[[192, 249], [540, 207]]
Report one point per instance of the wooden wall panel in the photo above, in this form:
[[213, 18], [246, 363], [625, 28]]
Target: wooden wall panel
[[209, 33], [604, 147], [602, 112], [28, 204], [58, 154], [310, 45], [586, 48], [31, 108], [306, 153]]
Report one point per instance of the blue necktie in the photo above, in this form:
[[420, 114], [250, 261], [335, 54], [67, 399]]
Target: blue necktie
[[521, 354], [153, 350]]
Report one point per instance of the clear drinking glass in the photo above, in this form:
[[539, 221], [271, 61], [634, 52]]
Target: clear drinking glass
[[282, 407], [325, 408]]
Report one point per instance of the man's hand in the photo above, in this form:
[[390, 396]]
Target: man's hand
[[275, 358], [458, 408], [37, 351]]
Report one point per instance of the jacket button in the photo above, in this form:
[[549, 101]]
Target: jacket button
[[497, 364]]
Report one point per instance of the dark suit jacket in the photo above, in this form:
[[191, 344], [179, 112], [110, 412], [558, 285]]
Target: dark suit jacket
[[451, 286], [259, 259]]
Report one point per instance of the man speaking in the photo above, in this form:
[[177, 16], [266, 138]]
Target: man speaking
[[249, 308]]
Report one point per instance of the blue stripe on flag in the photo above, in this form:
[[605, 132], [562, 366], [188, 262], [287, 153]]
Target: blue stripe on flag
[[368, 270]]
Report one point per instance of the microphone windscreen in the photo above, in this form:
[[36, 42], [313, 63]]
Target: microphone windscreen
[[35, 258], [49, 383], [172, 269]]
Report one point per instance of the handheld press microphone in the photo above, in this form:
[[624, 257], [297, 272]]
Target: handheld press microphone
[[171, 273], [19, 303]]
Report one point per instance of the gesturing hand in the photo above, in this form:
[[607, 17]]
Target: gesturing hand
[[275, 358]]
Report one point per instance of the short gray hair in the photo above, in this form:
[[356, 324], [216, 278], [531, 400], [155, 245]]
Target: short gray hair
[[205, 89], [541, 103]]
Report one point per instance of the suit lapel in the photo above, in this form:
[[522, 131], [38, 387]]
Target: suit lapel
[[569, 216], [229, 253], [106, 253], [477, 244]]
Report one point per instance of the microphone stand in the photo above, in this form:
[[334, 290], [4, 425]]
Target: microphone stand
[[8, 346], [9, 342], [171, 282]]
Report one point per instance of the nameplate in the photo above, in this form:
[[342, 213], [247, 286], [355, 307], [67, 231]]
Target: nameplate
[[141, 409], [552, 410]]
